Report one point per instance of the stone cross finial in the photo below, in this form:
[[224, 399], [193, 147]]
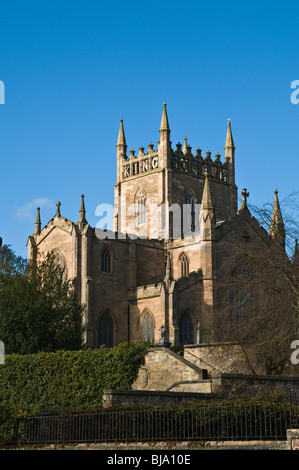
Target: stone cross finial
[[245, 194], [58, 209]]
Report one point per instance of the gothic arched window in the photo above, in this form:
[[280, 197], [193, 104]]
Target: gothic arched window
[[189, 210], [106, 261], [105, 331], [148, 328], [141, 209], [186, 334], [241, 290], [184, 265], [140, 201], [60, 261]]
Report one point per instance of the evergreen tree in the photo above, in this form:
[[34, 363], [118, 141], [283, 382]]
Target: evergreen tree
[[39, 310]]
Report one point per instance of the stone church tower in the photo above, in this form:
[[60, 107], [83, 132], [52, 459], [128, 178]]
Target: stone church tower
[[174, 212], [163, 178]]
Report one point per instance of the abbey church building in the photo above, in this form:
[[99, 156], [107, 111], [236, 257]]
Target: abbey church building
[[174, 211]]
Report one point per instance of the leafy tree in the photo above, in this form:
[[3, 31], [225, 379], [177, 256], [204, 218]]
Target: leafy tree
[[39, 310], [10, 263]]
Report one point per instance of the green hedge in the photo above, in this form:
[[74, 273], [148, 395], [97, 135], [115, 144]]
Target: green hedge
[[64, 381], [67, 379]]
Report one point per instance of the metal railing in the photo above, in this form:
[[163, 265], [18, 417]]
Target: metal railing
[[227, 423]]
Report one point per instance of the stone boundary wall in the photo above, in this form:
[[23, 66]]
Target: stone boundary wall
[[137, 397], [223, 387], [199, 386], [293, 439], [231, 385], [226, 358], [291, 443], [187, 448]]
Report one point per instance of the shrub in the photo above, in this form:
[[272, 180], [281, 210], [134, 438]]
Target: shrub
[[64, 380]]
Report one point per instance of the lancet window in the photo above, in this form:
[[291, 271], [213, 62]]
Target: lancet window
[[148, 328], [105, 331], [186, 331]]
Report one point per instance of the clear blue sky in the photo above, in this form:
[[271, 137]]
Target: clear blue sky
[[72, 70]]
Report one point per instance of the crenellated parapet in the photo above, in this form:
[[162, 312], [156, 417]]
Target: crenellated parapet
[[180, 160], [142, 163], [197, 165]]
